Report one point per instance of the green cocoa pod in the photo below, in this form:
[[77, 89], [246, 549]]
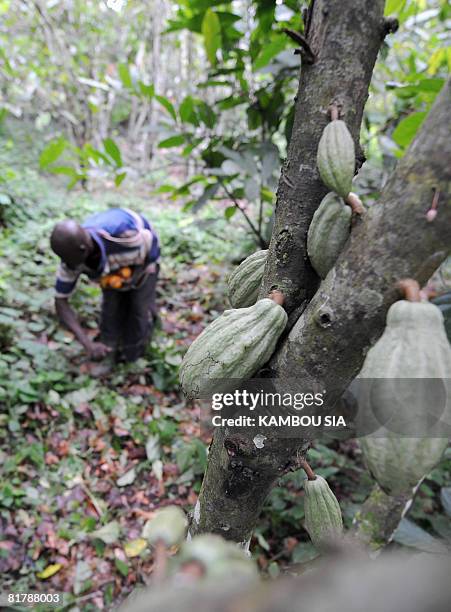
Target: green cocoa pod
[[414, 345], [328, 232], [169, 525], [415, 339], [398, 464], [244, 282], [336, 157], [236, 345], [323, 519]]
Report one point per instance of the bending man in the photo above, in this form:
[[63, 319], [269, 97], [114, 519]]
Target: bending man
[[118, 249]]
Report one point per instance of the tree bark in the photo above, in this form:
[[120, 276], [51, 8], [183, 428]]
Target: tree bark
[[326, 347], [376, 522]]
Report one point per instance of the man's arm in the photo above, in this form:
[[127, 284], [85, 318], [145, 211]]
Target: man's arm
[[68, 318]]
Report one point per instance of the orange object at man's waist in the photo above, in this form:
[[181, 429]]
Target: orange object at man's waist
[[127, 277]]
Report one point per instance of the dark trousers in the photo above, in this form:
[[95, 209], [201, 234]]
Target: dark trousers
[[127, 318]]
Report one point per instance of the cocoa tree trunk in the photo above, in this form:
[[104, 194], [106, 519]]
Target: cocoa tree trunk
[[327, 344]]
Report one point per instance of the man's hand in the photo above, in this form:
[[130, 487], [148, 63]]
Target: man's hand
[[97, 350]]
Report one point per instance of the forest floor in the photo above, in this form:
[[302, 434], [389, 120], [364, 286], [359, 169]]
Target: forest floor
[[86, 460]]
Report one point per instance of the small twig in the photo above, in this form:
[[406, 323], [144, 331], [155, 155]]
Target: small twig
[[410, 289], [308, 470], [260, 216], [304, 48], [243, 212], [93, 500]]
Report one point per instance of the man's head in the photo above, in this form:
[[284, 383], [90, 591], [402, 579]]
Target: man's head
[[71, 242]]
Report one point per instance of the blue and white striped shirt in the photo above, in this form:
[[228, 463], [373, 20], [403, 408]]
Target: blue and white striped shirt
[[124, 238]]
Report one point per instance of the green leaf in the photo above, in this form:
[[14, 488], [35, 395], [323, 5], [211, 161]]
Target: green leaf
[[209, 193], [113, 151], [433, 85], [126, 479], [74, 181], [441, 56], [206, 114], [125, 76], [4, 6], [167, 105], [164, 189], [172, 141], [270, 51], [262, 542], [147, 90], [121, 567], [186, 111], [119, 178], [52, 151], [229, 212], [67, 170], [109, 533], [153, 450], [88, 152], [211, 30], [6, 65], [407, 128], [393, 6], [411, 535], [303, 553]]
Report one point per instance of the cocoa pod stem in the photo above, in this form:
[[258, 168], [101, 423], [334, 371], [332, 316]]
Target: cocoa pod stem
[[355, 203], [277, 296], [410, 289], [334, 112], [308, 470]]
